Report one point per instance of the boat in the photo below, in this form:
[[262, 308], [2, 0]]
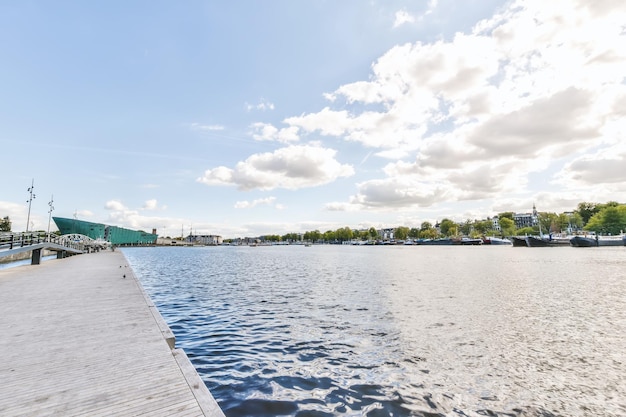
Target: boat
[[595, 240], [519, 241], [440, 241], [547, 241], [491, 240], [467, 241]]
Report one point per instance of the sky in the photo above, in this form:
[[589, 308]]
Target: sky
[[271, 117]]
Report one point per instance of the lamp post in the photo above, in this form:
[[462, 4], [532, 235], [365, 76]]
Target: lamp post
[[30, 201], [50, 214]]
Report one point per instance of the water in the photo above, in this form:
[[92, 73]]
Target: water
[[22, 262], [398, 331]]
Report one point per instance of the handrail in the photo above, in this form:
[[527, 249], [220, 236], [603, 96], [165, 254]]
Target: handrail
[[19, 240]]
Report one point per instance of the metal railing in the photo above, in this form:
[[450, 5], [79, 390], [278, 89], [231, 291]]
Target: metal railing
[[19, 240]]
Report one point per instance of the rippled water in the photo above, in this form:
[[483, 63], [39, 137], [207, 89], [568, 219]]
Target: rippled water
[[398, 331]]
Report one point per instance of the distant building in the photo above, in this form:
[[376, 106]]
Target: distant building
[[386, 234], [113, 234], [526, 219], [495, 224], [206, 240]]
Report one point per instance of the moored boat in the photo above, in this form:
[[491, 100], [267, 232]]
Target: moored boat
[[595, 240], [546, 241], [519, 241], [467, 241], [491, 240], [440, 241]]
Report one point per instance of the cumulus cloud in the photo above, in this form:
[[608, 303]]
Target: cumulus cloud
[[607, 166], [292, 167], [115, 205], [267, 132], [402, 17], [151, 205], [537, 84], [84, 214], [17, 214]]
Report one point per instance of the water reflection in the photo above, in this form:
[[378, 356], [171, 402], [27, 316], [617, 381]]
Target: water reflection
[[397, 331]]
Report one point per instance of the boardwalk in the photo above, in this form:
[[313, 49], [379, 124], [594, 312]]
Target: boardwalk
[[79, 339]]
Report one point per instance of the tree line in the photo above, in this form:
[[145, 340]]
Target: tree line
[[602, 218]]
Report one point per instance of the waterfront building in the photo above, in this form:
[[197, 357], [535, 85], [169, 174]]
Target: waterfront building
[[204, 239], [113, 234], [495, 222], [526, 219]]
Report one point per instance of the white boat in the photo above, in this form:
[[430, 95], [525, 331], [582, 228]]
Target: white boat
[[491, 240]]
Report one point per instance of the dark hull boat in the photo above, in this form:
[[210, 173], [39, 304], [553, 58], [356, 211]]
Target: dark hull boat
[[593, 241], [543, 242], [443, 241], [519, 241], [468, 241]]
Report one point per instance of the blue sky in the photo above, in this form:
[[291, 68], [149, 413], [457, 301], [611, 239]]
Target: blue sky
[[249, 117]]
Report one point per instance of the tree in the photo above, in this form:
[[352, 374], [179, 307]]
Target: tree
[[448, 227], [343, 234], [548, 222], [586, 210], [609, 220], [313, 236], [576, 221], [483, 227], [428, 233], [507, 226], [401, 233], [526, 231], [373, 233], [466, 228], [414, 233], [329, 236], [506, 215], [5, 224], [291, 237]]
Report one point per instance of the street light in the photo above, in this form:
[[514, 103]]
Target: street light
[[30, 201], [50, 214]]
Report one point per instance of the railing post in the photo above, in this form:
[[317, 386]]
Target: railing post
[[36, 257]]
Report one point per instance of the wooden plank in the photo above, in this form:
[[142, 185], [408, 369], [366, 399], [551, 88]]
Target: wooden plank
[[78, 338]]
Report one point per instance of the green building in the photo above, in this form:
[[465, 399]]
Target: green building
[[115, 235]]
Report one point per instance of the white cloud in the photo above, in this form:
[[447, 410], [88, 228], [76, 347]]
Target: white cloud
[[114, 205], [17, 214], [150, 205], [267, 132], [205, 128], [292, 167], [402, 17], [82, 214], [262, 105], [269, 201], [536, 85]]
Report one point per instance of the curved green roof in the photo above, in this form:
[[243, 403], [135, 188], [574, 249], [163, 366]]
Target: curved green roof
[[115, 235]]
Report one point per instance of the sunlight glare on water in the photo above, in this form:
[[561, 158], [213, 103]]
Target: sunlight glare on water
[[398, 331]]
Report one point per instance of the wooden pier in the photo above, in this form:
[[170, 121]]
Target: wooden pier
[[79, 338]]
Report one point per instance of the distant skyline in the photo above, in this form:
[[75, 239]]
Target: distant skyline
[[248, 118]]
